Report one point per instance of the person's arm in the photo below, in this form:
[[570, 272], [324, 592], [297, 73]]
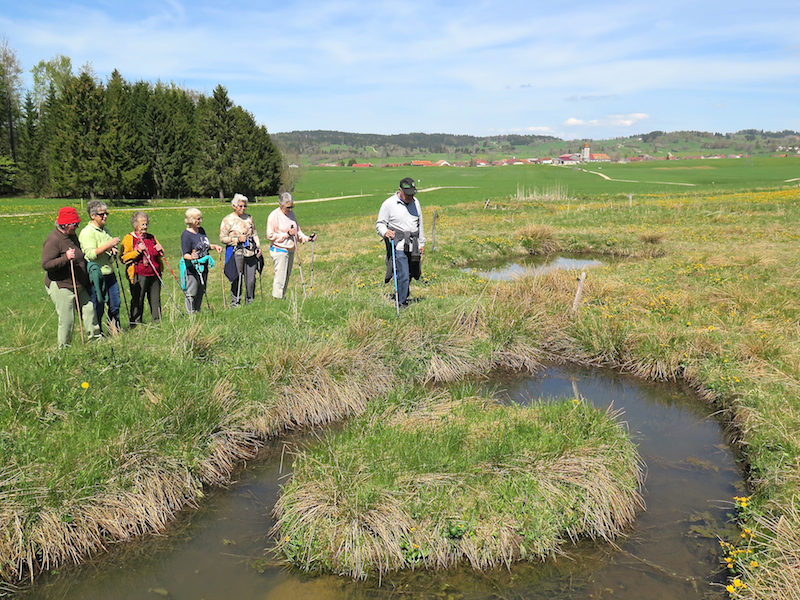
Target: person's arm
[[275, 223], [382, 225], [421, 228], [272, 227], [159, 261], [89, 243], [52, 256], [129, 252], [186, 245], [225, 233]]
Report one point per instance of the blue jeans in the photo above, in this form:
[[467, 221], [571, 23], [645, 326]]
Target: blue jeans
[[112, 288], [403, 276]]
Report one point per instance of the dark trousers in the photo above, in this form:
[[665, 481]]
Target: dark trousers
[[403, 275], [112, 289], [246, 281], [142, 287]]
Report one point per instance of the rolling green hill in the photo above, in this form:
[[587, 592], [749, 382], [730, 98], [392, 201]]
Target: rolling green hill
[[316, 147]]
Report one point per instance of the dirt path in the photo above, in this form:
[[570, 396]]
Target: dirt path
[[152, 208], [607, 178]]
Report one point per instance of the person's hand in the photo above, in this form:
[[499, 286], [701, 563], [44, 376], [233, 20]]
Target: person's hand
[[242, 238], [292, 230], [159, 248], [313, 237], [195, 255], [217, 248], [258, 251], [421, 250], [141, 247], [113, 251], [70, 254], [390, 234]]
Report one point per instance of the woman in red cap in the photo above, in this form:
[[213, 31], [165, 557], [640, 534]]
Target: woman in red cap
[[66, 277]]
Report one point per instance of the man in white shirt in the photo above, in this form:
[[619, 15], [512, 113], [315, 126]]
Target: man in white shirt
[[400, 219]]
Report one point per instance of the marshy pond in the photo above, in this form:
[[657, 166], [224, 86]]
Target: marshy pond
[[671, 552], [505, 269]]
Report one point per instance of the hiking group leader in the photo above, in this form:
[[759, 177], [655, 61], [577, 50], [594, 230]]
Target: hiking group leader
[[400, 219]]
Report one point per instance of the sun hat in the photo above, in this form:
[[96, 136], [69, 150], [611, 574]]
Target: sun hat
[[67, 216]]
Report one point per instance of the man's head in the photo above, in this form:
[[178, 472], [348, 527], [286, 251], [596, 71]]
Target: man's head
[[407, 189]]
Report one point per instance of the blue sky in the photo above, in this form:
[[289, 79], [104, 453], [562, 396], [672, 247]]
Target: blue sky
[[575, 70]]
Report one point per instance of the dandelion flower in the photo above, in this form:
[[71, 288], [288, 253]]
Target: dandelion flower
[[85, 385], [753, 563], [737, 582], [729, 588]]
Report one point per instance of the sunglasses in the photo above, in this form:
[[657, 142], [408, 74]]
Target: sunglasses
[[105, 214]]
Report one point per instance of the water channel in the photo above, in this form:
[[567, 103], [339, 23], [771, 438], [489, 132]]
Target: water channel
[[670, 553]]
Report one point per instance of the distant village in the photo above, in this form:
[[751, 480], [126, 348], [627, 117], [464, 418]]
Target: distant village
[[582, 157]]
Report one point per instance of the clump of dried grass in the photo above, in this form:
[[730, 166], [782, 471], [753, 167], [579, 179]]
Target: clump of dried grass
[[319, 383], [539, 239], [776, 572], [652, 237]]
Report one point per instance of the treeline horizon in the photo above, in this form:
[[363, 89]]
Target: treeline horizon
[[329, 145], [72, 135]]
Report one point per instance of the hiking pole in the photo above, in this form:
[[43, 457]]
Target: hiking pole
[[241, 277], [163, 286], [394, 273], [77, 302], [122, 288], [299, 264], [222, 280], [260, 285], [311, 283]]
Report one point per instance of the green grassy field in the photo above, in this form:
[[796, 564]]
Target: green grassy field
[[707, 295]]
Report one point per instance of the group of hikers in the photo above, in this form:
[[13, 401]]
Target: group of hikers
[[83, 271]]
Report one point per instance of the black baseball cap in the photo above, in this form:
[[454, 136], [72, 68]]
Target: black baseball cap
[[408, 187]]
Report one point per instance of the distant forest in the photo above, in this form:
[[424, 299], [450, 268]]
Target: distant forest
[[315, 147]]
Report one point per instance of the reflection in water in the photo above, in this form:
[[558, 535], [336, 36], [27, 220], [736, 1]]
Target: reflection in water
[[671, 551], [528, 266]]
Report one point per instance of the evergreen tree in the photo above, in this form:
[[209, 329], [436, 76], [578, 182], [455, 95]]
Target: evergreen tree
[[121, 149], [168, 132], [213, 172], [32, 149], [76, 167]]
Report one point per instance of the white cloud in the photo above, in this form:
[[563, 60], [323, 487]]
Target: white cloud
[[609, 121]]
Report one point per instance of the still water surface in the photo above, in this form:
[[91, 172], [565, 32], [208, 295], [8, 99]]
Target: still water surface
[[671, 552], [528, 266]]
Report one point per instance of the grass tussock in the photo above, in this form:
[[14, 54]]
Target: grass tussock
[[458, 481], [539, 239]]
